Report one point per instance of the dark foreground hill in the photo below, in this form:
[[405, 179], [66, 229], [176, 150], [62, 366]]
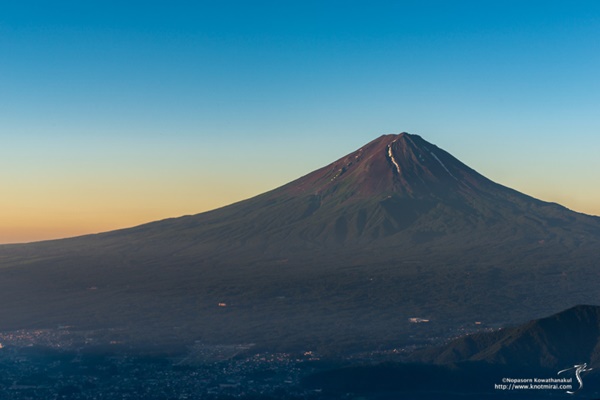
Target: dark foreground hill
[[337, 260], [564, 339], [485, 364]]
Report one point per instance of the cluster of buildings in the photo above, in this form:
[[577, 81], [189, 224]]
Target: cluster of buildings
[[35, 372]]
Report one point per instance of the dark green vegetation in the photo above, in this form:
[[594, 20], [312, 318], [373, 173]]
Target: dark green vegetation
[[336, 261]]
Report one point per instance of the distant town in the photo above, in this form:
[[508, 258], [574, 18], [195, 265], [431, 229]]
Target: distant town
[[66, 363]]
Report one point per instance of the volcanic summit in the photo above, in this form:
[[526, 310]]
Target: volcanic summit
[[342, 257]]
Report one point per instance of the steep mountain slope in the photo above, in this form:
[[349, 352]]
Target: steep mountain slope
[[396, 186], [342, 256]]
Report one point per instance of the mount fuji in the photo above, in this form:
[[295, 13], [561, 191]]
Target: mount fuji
[[340, 259]]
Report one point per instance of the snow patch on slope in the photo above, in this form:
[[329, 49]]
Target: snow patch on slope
[[442, 164], [391, 156]]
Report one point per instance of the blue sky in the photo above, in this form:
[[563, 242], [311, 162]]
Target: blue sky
[[117, 113]]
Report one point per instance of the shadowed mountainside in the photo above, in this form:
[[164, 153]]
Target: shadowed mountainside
[[339, 258], [561, 340], [476, 365]]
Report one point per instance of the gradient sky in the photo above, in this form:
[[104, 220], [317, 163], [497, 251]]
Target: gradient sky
[[117, 113]]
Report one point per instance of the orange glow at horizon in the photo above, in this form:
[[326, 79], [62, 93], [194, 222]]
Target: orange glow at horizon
[[63, 224], [60, 216], [78, 194], [55, 220]]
